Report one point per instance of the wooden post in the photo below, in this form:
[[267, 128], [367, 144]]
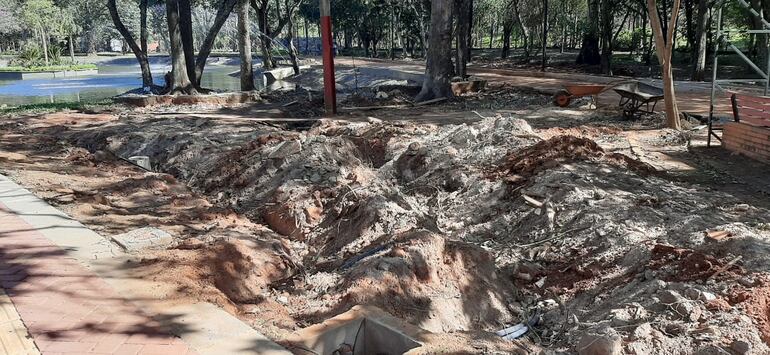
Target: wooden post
[[330, 91]]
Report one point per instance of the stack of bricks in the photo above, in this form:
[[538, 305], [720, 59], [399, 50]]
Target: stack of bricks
[[748, 140]]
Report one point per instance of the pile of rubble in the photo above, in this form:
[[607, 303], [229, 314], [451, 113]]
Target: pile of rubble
[[464, 228]]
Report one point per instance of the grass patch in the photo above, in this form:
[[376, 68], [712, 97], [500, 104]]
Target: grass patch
[[57, 106], [48, 68]]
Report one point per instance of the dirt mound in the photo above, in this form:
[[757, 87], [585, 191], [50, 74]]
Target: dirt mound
[[227, 272], [564, 149], [441, 284], [408, 217]]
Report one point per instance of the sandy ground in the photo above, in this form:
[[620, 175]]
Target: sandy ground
[[422, 211]]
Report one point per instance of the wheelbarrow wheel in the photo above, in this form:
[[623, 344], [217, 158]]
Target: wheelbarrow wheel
[[562, 98]]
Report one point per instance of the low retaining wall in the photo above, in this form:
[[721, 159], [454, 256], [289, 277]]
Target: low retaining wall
[[212, 99], [751, 141], [9, 75]]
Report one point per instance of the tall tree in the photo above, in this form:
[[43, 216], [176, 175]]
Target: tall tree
[[139, 52], [244, 46], [179, 80], [438, 68], [223, 12], [463, 9], [664, 46], [701, 36], [589, 51]]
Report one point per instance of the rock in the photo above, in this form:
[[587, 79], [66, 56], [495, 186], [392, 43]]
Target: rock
[[621, 317], [382, 95], [670, 297], [747, 281], [676, 328], [414, 147], [644, 331], [740, 347], [285, 149], [688, 311], [698, 295], [282, 299], [143, 238], [711, 350], [607, 343]]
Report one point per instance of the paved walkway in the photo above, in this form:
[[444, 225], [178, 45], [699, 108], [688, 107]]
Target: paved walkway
[[66, 308], [692, 97]]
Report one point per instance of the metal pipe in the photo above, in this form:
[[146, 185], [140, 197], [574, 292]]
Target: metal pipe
[[714, 74], [748, 61]]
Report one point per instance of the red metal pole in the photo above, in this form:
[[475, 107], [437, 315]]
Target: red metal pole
[[330, 90]]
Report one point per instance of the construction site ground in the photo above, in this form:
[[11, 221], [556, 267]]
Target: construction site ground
[[604, 235]]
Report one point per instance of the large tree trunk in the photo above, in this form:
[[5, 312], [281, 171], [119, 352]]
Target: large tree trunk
[[663, 47], [589, 51], [469, 45], [290, 38], [45, 45], [244, 46], [265, 35], [463, 10], [186, 32], [523, 29], [143, 25], [544, 60], [507, 29], [72, 49], [179, 80], [438, 70], [699, 57], [223, 13], [607, 20], [141, 55]]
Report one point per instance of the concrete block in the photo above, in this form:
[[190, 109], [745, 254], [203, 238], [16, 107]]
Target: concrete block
[[143, 238]]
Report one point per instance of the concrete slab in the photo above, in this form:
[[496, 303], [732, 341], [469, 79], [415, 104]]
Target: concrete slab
[[210, 334], [143, 238]]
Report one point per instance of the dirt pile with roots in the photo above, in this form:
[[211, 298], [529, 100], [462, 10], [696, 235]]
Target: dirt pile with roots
[[437, 225]]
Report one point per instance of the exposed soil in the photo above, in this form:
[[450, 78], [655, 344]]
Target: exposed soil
[[462, 227]]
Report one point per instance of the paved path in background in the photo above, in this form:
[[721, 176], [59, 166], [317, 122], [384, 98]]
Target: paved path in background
[[66, 308], [693, 97]]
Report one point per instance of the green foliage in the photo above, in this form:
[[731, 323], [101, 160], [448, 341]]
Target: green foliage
[[49, 68], [30, 56]]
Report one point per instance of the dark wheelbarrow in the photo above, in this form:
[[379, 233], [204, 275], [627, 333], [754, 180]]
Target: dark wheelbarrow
[[571, 91], [637, 97]]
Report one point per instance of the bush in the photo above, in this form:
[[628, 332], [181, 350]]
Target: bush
[[29, 56], [32, 56]]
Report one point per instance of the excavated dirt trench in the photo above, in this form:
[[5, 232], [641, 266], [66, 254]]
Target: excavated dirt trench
[[459, 229]]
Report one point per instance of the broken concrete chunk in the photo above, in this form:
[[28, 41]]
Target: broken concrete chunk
[[606, 343], [143, 238], [285, 149]]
